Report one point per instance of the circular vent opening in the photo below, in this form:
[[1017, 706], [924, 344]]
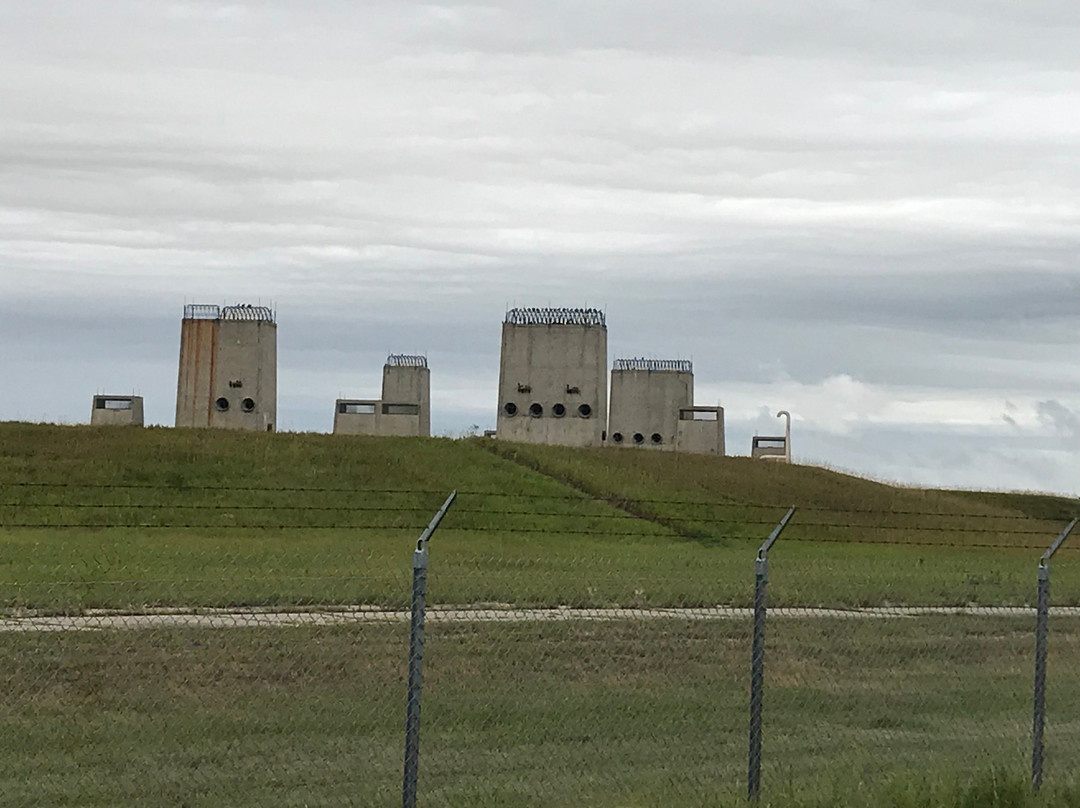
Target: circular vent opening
[[584, 410], [559, 410], [639, 438], [536, 410], [510, 408], [657, 437], [616, 437], [222, 404], [248, 405]]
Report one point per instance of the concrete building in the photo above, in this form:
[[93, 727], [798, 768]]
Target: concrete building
[[652, 407], [228, 368], [117, 411], [701, 431], [774, 447], [646, 397], [405, 406], [553, 377]]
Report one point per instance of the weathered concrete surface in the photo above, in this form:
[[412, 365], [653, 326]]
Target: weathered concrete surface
[[406, 385], [404, 409], [228, 374], [354, 416], [117, 411], [701, 431], [645, 406], [546, 370]]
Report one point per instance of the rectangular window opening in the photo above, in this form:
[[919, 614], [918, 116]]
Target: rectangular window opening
[[356, 408], [699, 415], [114, 403], [400, 409]]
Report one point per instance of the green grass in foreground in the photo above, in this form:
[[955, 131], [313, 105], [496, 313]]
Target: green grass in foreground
[[532, 526], [922, 712]]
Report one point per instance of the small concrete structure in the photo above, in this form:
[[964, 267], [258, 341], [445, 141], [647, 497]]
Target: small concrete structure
[[553, 377], [117, 411], [228, 368], [652, 407], [403, 410], [700, 431], [774, 447]]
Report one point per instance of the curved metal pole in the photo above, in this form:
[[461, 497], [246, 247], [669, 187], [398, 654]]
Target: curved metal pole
[[787, 434]]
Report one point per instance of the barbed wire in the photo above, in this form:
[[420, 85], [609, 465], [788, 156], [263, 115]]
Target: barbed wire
[[622, 517], [612, 501]]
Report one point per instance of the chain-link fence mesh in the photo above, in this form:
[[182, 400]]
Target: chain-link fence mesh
[[573, 654]]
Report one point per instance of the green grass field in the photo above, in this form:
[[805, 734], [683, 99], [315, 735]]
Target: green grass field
[[120, 518], [584, 713], [629, 712]]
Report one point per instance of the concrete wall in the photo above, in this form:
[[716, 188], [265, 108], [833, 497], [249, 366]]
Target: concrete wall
[[645, 407], [117, 411], [407, 385], [356, 416], [770, 448], [700, 430], [370, 417], [405, 406], [552, 368], [228, 374]]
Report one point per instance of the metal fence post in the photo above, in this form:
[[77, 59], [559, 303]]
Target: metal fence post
[[757, 658], [1042, 630], [416, 658]]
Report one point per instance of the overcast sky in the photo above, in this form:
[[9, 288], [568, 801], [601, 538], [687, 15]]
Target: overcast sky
[[866, 213]]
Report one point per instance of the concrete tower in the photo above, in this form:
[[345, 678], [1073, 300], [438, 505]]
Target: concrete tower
[[646, 397], [406, 391], [652, 407], [553, 377], [117, 411], [405, 406], [228, 368]]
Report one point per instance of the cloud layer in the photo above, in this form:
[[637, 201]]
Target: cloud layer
[[866, 214]]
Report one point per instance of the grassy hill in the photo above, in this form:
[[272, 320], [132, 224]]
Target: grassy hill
[[127, 518], [648, 709]]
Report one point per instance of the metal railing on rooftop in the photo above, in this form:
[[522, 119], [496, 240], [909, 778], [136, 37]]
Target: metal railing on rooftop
[[556, 316]]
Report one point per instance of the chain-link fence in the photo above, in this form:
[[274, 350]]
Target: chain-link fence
[[255, 650]]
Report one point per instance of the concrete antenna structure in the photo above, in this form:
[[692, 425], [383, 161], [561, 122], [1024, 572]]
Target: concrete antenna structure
[[553, 376], [228, 368]]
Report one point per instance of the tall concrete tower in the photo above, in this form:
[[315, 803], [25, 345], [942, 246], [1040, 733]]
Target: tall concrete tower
[[406, 390], [228, 368], [553, 377]]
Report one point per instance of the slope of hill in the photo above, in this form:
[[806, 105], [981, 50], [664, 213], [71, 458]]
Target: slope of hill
[[126, 518]]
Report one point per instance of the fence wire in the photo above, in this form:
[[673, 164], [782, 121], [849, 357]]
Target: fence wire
[[253, 649]]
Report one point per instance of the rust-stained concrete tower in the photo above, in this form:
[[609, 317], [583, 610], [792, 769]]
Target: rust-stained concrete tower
[[553, 377], [405, 406], [228, 368], [117, 411]]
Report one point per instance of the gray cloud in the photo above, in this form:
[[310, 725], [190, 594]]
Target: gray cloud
[[870, 202]]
